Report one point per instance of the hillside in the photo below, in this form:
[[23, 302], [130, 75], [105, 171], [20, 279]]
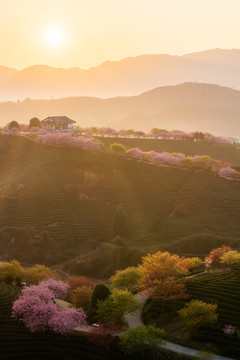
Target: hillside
[[188, 106], [71, 211], [225, 152], [129, 76]]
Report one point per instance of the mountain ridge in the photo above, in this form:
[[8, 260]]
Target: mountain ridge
[[187, 106], [126, 77]]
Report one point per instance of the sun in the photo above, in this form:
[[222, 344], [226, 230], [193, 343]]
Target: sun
[[54, 37]]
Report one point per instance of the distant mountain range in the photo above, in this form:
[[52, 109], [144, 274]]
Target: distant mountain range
[[188, 106], [130, 76]]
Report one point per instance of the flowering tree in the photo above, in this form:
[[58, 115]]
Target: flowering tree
[[229, 330], [78, 281], [134, 152], [162, 276], [64, 321], [226, 172], [58, 287], [215, 255], [66, 139], [36, 308]]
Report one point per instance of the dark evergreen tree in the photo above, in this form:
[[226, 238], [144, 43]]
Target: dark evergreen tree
[[120, 224], [34, 122], [14, 124], [100, 293]]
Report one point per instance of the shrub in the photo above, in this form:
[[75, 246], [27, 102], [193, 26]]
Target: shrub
[[142, 340], [117, 148], [81, 296]]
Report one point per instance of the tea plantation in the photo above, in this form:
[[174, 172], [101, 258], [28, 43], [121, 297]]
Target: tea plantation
[[58, 204]]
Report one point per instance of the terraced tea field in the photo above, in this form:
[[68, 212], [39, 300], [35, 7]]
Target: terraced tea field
[[223, 288]]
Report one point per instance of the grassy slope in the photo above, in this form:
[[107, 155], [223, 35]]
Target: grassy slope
[[55, 180]]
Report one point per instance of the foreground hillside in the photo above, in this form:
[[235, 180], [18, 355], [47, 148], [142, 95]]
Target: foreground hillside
[[58, 206]]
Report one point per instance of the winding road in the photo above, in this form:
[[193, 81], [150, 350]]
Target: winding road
[[135, 320]]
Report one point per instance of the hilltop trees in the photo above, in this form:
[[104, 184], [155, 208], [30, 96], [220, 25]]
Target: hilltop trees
[[34, 122], [14, 124]]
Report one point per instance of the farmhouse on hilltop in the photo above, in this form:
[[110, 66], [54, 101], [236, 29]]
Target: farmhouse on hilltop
[[58, 123]]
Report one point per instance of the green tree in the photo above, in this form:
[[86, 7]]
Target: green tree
[[197, 313], [14, 124], [142, 340], [127, 278], [34, 122], [118, 303], [120, 224]]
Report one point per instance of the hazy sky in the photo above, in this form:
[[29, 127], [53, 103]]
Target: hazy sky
[[84, 33]]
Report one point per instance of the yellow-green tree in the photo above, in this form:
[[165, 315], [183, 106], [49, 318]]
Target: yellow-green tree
[[128, 278], [197, 313], [81, 297]]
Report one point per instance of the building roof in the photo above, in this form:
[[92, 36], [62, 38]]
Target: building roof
[[58, 120]]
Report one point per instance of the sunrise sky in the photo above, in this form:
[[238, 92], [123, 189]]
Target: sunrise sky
[[84, 33]]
